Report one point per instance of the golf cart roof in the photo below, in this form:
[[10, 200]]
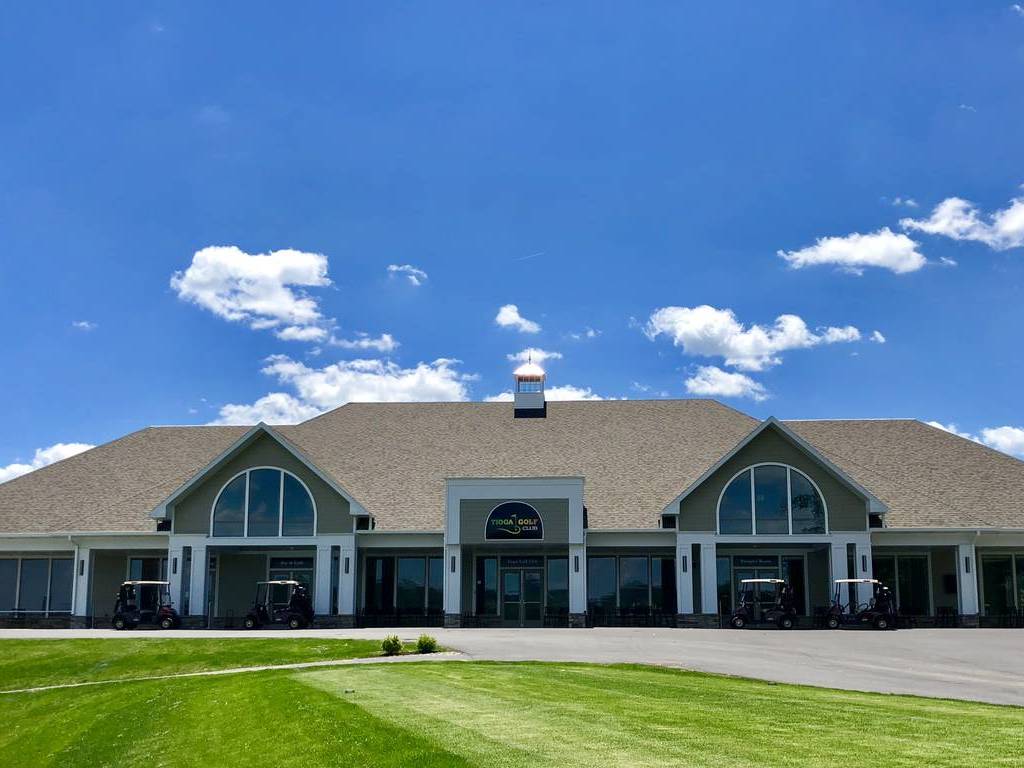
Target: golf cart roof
[[143, 583], [857, 581], [762, 581], [281, 581]]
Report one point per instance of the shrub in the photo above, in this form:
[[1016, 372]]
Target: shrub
[[391, 645], [426, 644]]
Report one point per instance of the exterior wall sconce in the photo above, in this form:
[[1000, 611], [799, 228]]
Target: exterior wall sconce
[[682, 564], [346, 566], [575, 563]]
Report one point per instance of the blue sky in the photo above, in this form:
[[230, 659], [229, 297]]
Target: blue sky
[[652, 186]]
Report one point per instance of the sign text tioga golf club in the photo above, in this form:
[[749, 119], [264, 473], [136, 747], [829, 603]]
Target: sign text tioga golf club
[[514, 520]]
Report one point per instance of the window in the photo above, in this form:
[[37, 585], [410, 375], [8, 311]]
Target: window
[[558, 583], [634, 584], [8, 584], [486, 586], [435, 585], [379, 597], [35, 574], [771, 499], [412, 581], [264, 502], [601, 595]]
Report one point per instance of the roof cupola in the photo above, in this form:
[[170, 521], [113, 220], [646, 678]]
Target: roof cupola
[[529, 391]]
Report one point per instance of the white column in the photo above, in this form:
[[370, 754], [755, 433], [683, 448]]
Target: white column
[[453, 579], [347, 577], [684, 576], [865, 569], [197, 592], [322, 575], [577, 578], [967, 578], [708, 578], [839, 569], [83, 574], [175, 566]]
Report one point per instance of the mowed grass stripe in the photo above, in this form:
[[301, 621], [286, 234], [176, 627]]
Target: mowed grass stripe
[[34, 663], [264, 720], [563, 715]]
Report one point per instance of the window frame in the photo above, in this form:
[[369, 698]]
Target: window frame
[[280, 501], [790, 469]]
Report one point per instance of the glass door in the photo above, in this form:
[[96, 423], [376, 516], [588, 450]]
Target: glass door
[[533, 597], [512, 597]]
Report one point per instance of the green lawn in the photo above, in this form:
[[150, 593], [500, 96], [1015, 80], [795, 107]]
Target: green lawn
[[495, 714], [29, 663]]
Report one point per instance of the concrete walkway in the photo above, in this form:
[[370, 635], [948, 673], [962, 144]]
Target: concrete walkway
[[973, 664]]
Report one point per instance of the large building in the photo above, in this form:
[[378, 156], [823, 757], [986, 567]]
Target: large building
[[519, 514]]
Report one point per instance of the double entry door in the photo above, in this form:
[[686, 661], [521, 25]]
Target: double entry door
[[522, 597]]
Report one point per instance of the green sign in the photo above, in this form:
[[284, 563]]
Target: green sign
[[514, 521]]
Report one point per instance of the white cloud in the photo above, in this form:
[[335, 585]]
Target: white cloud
[[564, 392], [710, 332], [1018, 9], [257, 289], [536, 355], [275, 408], [84, 325], [586, 333], [1006, 439], [711, 381], [967, 108], [320, 389], [960, 219], [415, 275], [42, 457], [852, 253], [877, 337], [904, 202], [383, 343], [508, 317]]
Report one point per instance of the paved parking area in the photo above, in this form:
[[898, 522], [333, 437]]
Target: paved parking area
[[975, 664]]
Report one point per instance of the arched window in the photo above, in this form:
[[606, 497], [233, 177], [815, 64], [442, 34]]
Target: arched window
[[264, 501], [771, 499]]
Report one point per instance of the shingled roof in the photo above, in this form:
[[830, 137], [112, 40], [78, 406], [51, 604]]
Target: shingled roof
[[635, 456]]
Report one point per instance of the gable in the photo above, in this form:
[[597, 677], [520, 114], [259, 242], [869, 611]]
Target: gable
[[847, 510], [191, 511]]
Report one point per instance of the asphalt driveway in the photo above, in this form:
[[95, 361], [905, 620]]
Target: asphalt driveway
[[975, 664]]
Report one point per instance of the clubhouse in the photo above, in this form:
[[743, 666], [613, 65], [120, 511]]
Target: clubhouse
[[530, 513]]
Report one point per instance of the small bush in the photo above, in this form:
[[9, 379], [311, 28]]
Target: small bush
[[391, 645], [426, 644]]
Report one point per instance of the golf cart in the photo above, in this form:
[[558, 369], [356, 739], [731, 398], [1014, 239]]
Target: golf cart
[[753, 592], [144, 602], [879, 612], [280, 602]]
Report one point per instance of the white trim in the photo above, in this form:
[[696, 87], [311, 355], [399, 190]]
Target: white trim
[[875, 505], [753, 501], [280, 508], [161, 510]]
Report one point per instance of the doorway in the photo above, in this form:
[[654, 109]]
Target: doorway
[[522, 596]]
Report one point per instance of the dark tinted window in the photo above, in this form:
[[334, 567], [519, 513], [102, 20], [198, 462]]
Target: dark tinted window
[[60, 585], [298, 509], [601, 583], [34, 575], [264, 502], [633, 583], [228, 514], [8, 584], [411, 584], [771, 499], [558, 583], [808, 508], [486, 586], [734, 510]]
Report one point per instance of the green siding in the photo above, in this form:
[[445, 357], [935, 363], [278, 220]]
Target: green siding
[[846, 510], [238, 575], [192, 513], [553, 512]]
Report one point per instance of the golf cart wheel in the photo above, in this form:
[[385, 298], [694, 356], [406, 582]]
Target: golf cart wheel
[[833, 622], [166, 623], [250, 622], [738, 622], [296, 622], [786, 622], [120, 624], [881, 623]]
